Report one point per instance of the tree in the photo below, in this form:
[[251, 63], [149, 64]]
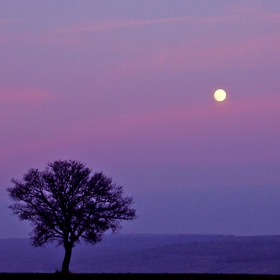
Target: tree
[[66, 203]]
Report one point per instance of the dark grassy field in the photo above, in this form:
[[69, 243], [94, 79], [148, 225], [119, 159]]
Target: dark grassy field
[[136, 276], [137, 256]]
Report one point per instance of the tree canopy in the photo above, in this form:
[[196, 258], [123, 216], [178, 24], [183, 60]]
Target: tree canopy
[[67, 203]]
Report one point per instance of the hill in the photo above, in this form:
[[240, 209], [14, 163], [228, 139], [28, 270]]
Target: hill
[[123, 253]]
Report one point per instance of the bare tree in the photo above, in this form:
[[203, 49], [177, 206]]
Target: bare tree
[[66, 203]]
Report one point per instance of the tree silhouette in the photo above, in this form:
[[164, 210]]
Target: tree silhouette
[[66, 203]]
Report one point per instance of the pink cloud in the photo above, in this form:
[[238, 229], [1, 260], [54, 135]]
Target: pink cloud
[[78, 35], [239, 107], [240, 131], [257, 11], [74, 35], [24, 95], [198, 54], [232, 14], [9, 21], [110, 25], [230, 110], [210, 51], [4, 21]]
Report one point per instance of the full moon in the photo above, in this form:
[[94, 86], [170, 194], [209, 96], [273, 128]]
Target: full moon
[[220, 95]]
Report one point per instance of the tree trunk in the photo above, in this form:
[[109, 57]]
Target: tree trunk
[[67, 258]]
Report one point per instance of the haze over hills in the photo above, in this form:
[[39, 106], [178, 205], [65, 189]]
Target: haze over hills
[[130, 253]]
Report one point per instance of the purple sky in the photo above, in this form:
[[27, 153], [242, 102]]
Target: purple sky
[[127, 88]]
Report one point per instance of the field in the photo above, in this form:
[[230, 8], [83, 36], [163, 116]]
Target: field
[[139, 276], [137, 256]]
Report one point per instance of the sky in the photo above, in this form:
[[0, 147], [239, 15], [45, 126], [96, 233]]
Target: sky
[[126, 87]]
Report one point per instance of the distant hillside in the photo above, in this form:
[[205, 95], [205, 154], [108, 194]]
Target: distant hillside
[[150, 254]]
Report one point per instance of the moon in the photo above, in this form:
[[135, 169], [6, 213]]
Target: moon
[[220, 95]]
